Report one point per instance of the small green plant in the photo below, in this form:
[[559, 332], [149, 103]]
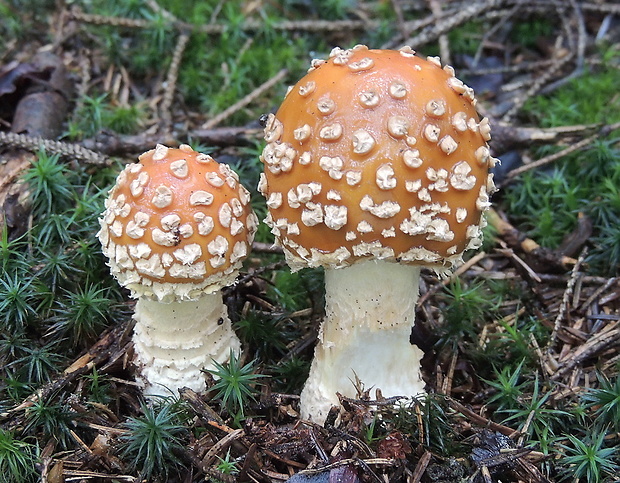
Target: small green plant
[[469, 302], [605, 400], [98, 387], [291, 289], [52, 230], [513, 339], [12, 389], [508, 390], [98, 113], [57, 267], [371, 431], [466, 308], [13, 345], [467, 38], [588, 458], [551, 201], [17, 302], [289, 374], [154, 442], [49, 183], [11, 26], [538, 414], [124, 119], [548, 446], [12, 252], [39, 363], [426, 419], [88, 119], [266, 336], [82, 312], [227, 466], [439, 432], [50, 419], [528, 33], [17, 459], [235, 384]]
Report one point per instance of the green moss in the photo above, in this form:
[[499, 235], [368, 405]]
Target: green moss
[[17, 459], [529, 33], [589, 98], [293, 289], [548, 202], [46, 283], [466, 39]]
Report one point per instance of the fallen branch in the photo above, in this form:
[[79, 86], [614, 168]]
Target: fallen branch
[[606, 338], [66, 150], [246, 100], [517, 239]]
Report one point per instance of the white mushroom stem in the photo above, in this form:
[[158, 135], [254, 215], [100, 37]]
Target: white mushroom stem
[[370, 310], [175, 342]]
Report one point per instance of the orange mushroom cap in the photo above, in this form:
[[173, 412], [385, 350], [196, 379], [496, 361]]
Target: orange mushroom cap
[[377, 154], [176, 224]]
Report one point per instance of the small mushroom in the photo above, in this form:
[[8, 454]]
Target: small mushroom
[[176, 229], [392, 177]]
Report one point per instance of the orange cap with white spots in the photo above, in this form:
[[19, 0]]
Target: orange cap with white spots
[[176, 224], [377, 154]]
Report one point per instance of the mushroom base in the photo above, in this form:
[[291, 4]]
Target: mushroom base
[[370, 311], [175, 342]]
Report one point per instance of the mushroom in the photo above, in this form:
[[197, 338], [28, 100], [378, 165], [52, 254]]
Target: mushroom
[[376, 164], [176, 229]]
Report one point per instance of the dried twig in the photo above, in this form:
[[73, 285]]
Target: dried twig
[[566, 300], [452, 19], [94, 19], [560, 154], [537, 86], [509, 253], [220, 446], [68, 150], [507, 136], [153, 5], [82, 88], [83, 475], [516, 239], [353, 462], [575, 52], [507, 69], [249, 25], [171, 82], [480, 420], [420, 468], [444, 45], [246, 100], [266, 248], [446, 387], [607, 7], [117, 144], [400, 18], [608, 337], [598, 292], [496, 27]]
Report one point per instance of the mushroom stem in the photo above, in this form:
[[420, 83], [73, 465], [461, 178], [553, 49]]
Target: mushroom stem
[[175, 342], [370, 311]]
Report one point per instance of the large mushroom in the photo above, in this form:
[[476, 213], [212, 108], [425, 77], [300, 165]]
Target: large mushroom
[[176, 229], [376, 165]]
